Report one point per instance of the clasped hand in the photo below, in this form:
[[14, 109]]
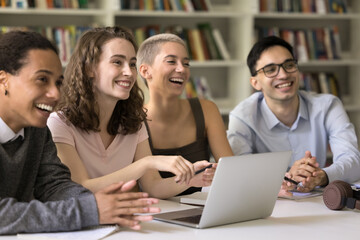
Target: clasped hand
[[306, 171]]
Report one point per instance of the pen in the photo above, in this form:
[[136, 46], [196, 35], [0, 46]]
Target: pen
[[290, 180], [203, 169]]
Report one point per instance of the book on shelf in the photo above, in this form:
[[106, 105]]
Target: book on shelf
[[167, 5], [196, 42], [176, 5], [40, 4], [288, 35], [139, 34], [310, 39], [323, 82], [335, 42], [164, 5], [320, 6], [149, 5], [301, 48], [44, 4], [304, 6], [182, 33], [192, 50], [320, 82], [197, 87], [327, 43], [202, 87], [187, 5], [337, 6], [320, 44], [203, 42], [64, 37], [309, 44], [221, 44], [210, 40]]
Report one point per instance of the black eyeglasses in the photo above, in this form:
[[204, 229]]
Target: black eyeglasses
[[272, 70]]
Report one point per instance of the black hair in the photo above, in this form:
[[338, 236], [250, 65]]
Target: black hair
[[15, 45], [263, 45]]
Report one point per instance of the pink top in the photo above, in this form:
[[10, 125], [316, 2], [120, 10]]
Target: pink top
[[98, 161]]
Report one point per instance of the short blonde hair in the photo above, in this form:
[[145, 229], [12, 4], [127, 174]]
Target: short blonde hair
[[151, 47]]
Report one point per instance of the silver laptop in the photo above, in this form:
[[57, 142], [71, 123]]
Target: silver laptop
[[244, 188]]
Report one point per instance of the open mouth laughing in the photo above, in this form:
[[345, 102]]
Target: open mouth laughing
[[284, 85], [44, 107], [179, 81]]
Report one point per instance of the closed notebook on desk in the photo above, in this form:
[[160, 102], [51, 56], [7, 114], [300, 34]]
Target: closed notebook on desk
[[244, 188]]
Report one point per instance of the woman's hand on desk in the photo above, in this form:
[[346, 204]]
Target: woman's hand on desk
[[116, 205], [204, 178], [179, 166]]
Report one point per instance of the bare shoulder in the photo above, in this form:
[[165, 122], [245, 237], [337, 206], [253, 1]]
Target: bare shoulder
[[209, 107]]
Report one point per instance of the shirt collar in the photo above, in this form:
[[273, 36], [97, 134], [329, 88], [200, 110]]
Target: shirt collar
[[269, 117], [6, 134], [271, 120]]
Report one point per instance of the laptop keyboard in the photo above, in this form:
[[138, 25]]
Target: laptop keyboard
[[190, 219]]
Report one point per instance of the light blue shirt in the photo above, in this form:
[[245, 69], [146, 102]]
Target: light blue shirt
[[6, 134], [321, 122]]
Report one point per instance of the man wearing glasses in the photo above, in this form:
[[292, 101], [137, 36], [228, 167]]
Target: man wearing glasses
[[280, 117]]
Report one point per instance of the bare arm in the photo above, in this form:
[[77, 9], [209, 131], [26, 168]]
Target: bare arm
[[160, 187], [143, 163], [215, 130], [70, 157]]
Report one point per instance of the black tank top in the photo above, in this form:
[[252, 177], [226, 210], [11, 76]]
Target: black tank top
[[196, 151]]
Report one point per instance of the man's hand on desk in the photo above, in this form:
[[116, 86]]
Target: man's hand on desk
[[116, 205], [306, 171]]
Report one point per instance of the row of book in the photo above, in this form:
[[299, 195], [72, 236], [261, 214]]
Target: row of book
[[203, 42], [197, 87], [320, 82], [165, 5], [44, 4], [64, 37], [304, 6], [309, 44]]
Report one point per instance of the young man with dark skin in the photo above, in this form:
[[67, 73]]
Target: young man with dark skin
[[36, 192]]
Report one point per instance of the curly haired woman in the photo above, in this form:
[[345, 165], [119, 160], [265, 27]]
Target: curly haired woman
[[99, 130]]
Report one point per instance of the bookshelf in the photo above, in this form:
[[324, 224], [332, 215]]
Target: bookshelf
[[222, 75], [237, 21]]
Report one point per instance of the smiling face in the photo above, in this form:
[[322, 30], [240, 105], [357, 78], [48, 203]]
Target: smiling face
[[170, 70], [116, 72], [33, 92], [283, 87]]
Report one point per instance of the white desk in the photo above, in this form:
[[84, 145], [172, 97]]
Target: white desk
[[304, 219]]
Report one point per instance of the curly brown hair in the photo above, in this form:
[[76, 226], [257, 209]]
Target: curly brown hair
[[78, 103]]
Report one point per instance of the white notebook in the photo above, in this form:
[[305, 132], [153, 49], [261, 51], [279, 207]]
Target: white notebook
[[94, 233], [196, 198]]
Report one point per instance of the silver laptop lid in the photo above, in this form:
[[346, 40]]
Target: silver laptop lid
[[244, 188]]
